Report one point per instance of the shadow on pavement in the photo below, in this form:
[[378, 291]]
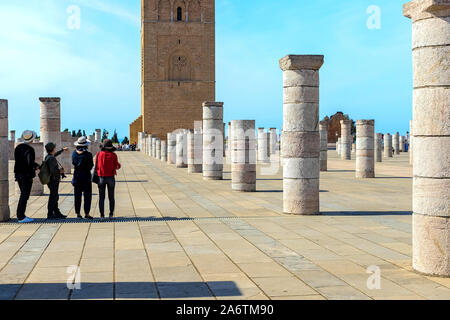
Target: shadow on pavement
[[366, 213], [119, 290]]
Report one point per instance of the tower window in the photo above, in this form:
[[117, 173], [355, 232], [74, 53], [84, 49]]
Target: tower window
[[179, 14]]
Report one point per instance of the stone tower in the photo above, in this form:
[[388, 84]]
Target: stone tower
[[178, 63]]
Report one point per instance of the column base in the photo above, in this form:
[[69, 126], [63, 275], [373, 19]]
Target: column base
[[431, 245]]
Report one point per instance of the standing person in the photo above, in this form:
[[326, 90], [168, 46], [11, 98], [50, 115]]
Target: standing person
[[56, 173], [83, 163], [25, 168], [107, 165]]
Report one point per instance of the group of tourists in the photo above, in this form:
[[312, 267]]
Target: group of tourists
[[105, 165], [127, 147]]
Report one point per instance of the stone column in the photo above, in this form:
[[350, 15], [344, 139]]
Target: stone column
[[11, 143], [273, 140], [365, 149], [212, 144], [4, 174], [149, 145], [353, 147], [224, 140], [301, 138], [243, 159], [229, 143], [98, 135], [338, 146], [263, 146], [410, 148], [171, 148], [38, 188], [66, 158], [378, 147], [396, 143], [164, 150], [195, 151], [431, 125], [402, 144], [153, 147], [143, 146], [139, 142], [51, 121], [323, 130], [388, 145], [181, 150], [158, 149], [346, 140]]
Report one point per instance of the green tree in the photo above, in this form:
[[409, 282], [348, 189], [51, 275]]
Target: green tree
[[79, 134], [105, 134], [114, 138], [84, 133], [125, 141], [66, 130], [74, 134]]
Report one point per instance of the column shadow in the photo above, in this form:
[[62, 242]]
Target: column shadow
[[366, 213]]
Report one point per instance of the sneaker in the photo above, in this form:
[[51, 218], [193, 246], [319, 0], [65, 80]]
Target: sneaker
[[79, 216], [111, 217], [89, 217], [26, 220]]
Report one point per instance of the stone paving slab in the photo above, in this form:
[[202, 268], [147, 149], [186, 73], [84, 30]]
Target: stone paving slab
[[179, 237]]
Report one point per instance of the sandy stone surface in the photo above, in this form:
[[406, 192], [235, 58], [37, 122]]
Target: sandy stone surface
[[184, 237]]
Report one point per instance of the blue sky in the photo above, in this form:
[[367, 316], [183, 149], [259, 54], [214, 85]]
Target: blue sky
[[96, 69]]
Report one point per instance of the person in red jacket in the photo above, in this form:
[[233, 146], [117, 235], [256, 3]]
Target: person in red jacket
[[107, 165]]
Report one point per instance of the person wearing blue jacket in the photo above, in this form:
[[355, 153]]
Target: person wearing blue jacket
[[83, 163]]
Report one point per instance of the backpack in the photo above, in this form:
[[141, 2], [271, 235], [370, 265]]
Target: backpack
[[44, 173]]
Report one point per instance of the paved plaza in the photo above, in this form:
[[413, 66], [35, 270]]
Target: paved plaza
[[179, 237]]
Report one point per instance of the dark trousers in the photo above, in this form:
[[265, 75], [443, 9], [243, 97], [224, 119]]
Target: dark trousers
[[83, 188], [109, 182], [54, 198], [25, 191]]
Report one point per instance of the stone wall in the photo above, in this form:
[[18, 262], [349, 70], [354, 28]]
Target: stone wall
[[135, 128]]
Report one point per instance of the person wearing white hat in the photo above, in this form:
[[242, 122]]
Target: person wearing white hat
[[83, 163], [25, 168]]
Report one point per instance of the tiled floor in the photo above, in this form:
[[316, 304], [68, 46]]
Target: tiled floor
[[182, 237]]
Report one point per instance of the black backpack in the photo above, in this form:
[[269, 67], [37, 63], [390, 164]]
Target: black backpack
[[44, 173]]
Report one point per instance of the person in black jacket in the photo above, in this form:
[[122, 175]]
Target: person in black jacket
[[83, 162], [25, 168], [56, 171]]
